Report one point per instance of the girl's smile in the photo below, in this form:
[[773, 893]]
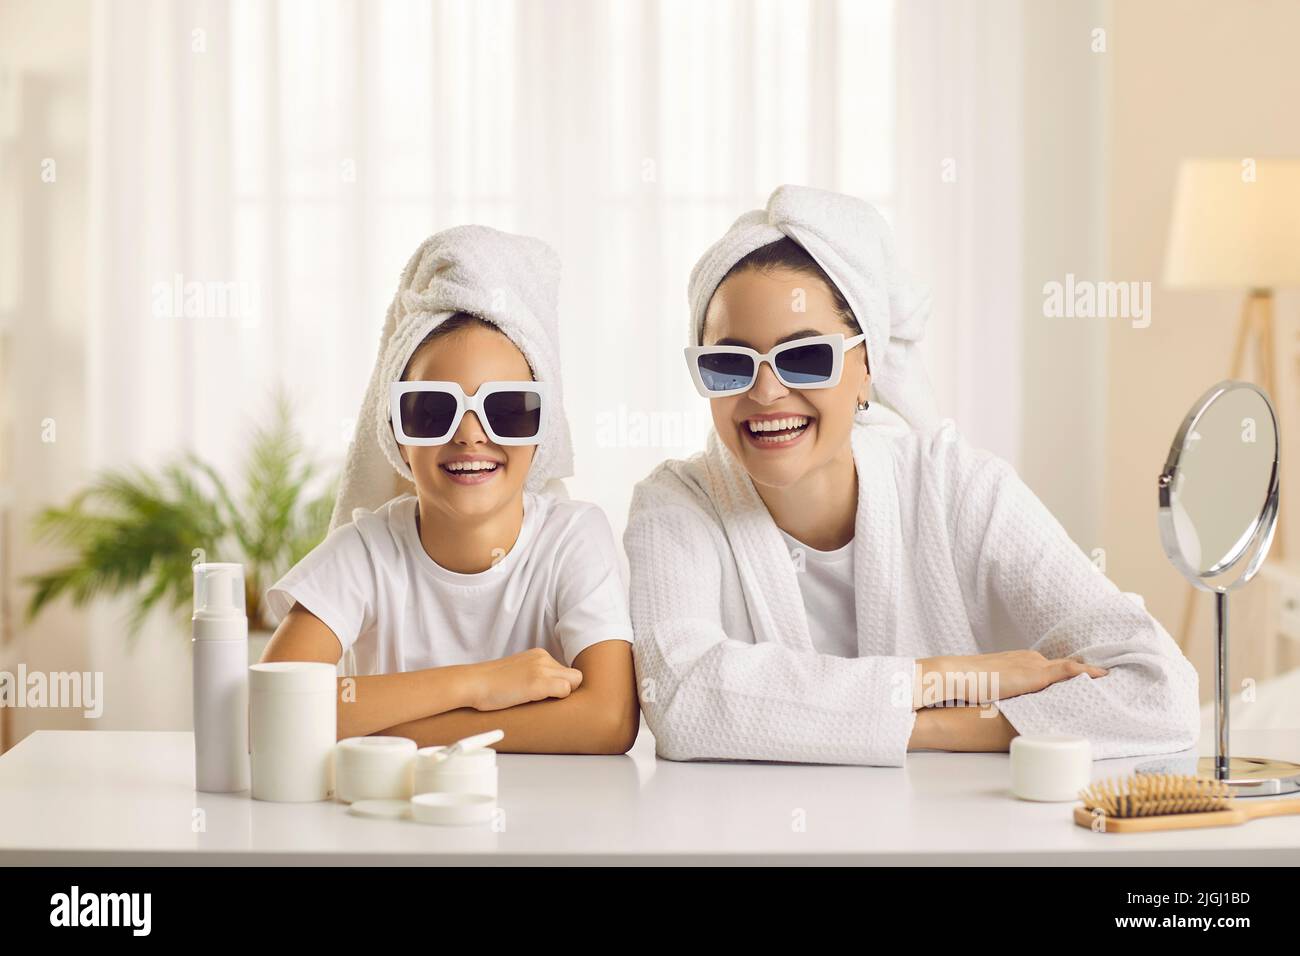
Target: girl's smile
[[471, 469]]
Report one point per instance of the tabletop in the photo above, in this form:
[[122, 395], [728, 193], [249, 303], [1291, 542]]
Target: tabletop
[[127, 797]]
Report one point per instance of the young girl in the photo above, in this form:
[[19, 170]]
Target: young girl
[[813, 585], [485, 599]]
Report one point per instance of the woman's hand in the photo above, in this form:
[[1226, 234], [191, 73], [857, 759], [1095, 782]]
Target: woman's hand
[[520, 678], [983, 678], [963, 729]]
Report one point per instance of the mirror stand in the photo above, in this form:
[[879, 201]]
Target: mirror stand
[[1246, 776]]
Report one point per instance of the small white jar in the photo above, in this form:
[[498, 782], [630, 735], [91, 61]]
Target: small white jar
[[1050, 768], [471, 771], [374, 768], [293, 717]]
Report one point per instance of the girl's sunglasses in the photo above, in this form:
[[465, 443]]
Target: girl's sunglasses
[[813, 362], [428, 413]]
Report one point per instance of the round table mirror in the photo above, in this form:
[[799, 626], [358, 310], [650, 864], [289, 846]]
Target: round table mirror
[[1218, 497]]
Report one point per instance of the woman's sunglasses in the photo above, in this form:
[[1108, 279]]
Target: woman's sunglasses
[[813, 362], [428, 413]]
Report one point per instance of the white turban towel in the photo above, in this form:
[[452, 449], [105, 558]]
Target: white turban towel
[[854, 246], [510, 281]]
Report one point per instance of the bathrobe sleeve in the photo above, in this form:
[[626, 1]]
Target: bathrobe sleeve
[[708, 696], [1021, 570]]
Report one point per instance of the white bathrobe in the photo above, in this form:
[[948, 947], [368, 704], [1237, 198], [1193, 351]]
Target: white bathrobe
[[953, 554]]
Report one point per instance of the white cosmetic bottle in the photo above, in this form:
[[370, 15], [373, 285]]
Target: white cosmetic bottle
[[220, 679]]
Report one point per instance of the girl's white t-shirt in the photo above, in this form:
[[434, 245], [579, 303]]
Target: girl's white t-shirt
[[826, 585], [396, 609]]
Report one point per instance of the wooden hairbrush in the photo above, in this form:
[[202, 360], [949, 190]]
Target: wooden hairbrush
[[1166, 801]]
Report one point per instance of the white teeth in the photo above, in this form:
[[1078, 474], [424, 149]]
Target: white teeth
[[777, 424], [470, 466]]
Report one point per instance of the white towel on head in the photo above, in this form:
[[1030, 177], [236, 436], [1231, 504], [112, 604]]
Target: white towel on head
[[508, 280], [853, 244]]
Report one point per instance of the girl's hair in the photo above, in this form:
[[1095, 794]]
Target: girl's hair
[[788, 254], [454, 323]]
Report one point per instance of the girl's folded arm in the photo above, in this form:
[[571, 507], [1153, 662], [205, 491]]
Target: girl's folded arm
[[369, 704], [599, 716]]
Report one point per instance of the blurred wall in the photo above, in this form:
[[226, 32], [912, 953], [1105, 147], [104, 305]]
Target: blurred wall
[[44, 116], [1190, 78]]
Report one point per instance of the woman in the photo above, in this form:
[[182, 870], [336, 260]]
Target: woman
[[827, 572]]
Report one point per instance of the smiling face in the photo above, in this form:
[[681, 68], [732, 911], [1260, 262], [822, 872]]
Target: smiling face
[[782, 435], [470, 476]]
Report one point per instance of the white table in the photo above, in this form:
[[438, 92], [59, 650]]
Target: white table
[[113, 797]]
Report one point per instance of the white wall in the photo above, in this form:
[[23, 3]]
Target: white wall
[[1190, 78], [44, 115]]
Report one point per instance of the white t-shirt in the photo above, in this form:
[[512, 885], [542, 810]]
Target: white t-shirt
[[374, 585], [826, 583]]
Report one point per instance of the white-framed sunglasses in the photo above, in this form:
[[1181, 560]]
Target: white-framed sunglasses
[[428, 413], [812, 362]]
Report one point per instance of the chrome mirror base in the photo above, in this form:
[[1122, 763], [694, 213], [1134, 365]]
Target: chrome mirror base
[[1246, 776]]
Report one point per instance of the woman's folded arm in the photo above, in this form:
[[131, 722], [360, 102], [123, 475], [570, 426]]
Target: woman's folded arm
[[706, 696], [1023, 571]]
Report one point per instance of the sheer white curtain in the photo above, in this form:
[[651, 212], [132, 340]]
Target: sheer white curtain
[[960, 202], [288, 156]]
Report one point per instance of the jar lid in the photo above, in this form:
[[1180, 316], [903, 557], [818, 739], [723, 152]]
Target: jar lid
[[1049, 743], [431, 758], [377, 744], [455, 809], [374, 752], [381, 809], [293, 677]]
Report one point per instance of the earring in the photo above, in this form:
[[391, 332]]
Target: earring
[[862, 406]]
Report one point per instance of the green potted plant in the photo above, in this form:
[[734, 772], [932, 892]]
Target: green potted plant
[[133, 531]]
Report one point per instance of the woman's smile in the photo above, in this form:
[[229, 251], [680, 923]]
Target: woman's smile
[[776, 430]]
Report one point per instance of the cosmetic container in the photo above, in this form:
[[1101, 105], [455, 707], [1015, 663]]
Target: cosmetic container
[[294, 713], [373, 768], [1050, 768], [220, 644], [470, 771], [452, 809]]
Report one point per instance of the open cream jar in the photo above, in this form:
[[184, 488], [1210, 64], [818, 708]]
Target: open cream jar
[[470, 771]]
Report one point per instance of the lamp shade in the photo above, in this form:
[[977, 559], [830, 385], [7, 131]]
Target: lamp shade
[[1235, 225]]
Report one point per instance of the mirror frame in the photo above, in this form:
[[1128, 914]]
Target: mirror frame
[[1261, 530]]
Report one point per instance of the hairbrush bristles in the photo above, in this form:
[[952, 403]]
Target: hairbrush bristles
[[1155, 794]]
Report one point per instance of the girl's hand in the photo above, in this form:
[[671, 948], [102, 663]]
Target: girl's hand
[[520, 678], [983, 678]]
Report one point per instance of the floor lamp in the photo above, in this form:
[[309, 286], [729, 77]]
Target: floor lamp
[[1236, 225]]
